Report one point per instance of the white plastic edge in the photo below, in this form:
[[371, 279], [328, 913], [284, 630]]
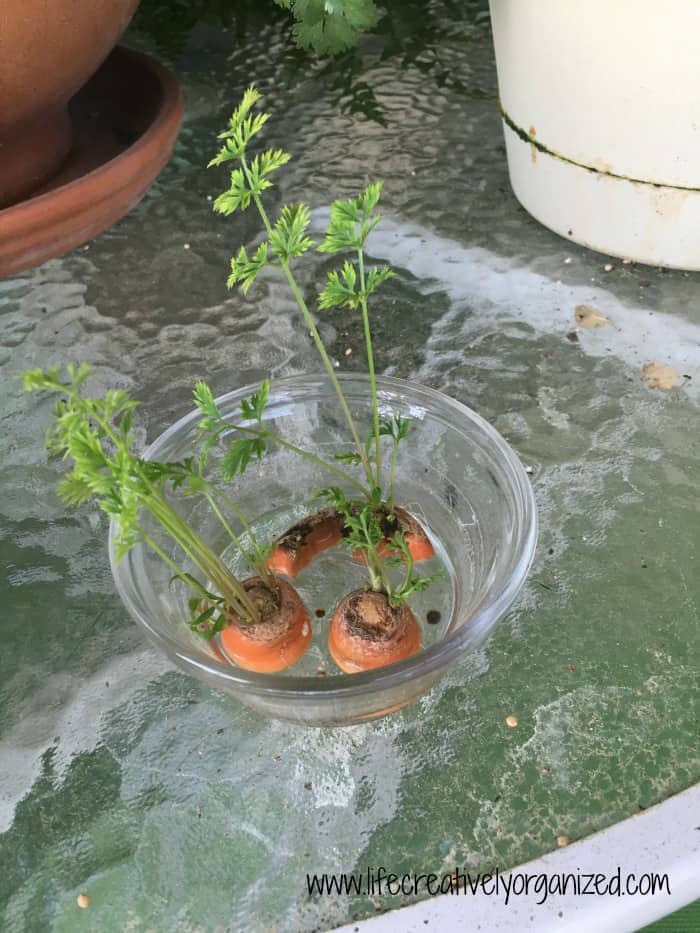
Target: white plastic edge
[[663, 839], [649, 223]]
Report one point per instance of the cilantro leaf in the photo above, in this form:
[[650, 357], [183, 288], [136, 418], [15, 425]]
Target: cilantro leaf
[[330, 26]]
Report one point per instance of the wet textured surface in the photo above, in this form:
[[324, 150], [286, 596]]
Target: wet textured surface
[[177, 809]]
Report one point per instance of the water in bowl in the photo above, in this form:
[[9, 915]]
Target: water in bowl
[[333, 574]]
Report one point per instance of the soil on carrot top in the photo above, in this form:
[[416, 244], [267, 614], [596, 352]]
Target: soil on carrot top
[[418, 542], [299, 545], [333, 575], [279, 639], [367, 632]]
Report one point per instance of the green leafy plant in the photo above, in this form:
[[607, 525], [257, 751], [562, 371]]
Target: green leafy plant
[[251, 438], [325, 46], [330, 26], [350, 224], [287, 238], [96, 435], [365, 532]]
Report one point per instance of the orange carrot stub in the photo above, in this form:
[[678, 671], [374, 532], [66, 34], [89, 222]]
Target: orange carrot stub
[[301, 543], [279, 639], [298, 546], [417, 540], [366, 632]]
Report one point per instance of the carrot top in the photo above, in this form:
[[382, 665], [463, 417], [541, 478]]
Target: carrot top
[[96, 435], [350, 223]]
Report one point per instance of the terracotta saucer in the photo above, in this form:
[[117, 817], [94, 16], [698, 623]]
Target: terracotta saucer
[[125, 122]]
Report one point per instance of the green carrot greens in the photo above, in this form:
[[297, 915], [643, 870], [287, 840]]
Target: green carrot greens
[[351, 222], [96, 435]]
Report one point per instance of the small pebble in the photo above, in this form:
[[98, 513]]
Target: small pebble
[[608, 267], [83, 901], [529, 470], [348, 352], [321, 672], [562, 841], [320, 613], [336, 363], [185, 245], [626, 262], [433, 617], [209, 197], [567, 260], [512, 721]]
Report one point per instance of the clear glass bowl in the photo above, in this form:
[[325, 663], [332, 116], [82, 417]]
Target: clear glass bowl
[[455, 473]]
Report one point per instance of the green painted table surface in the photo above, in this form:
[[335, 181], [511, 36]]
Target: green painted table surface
[[175, 808]]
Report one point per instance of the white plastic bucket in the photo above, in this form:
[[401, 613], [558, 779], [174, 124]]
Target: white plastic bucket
[[601, 112]]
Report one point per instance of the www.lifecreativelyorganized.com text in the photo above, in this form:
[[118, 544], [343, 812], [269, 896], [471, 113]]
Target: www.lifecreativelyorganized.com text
[[377, 882]]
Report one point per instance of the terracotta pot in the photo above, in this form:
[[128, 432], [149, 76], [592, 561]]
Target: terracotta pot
[[48, 50]]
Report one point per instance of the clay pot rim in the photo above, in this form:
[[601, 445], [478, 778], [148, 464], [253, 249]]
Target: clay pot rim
[[101, 183]]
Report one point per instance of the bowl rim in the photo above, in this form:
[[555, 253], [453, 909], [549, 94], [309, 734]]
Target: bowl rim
[[435, 657]]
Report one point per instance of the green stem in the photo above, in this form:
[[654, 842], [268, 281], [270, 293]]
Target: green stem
[[330, 370], [157, 549], [409, 572], [311, 324], [375, 575], [209, 563], [253, 559], [379, 579], [339, 471], [241, 518], [90, 413], [370, 366], [392, 480], [312, 458]]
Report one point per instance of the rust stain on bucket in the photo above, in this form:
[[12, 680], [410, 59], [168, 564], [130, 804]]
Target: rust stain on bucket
[[533, 147]]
